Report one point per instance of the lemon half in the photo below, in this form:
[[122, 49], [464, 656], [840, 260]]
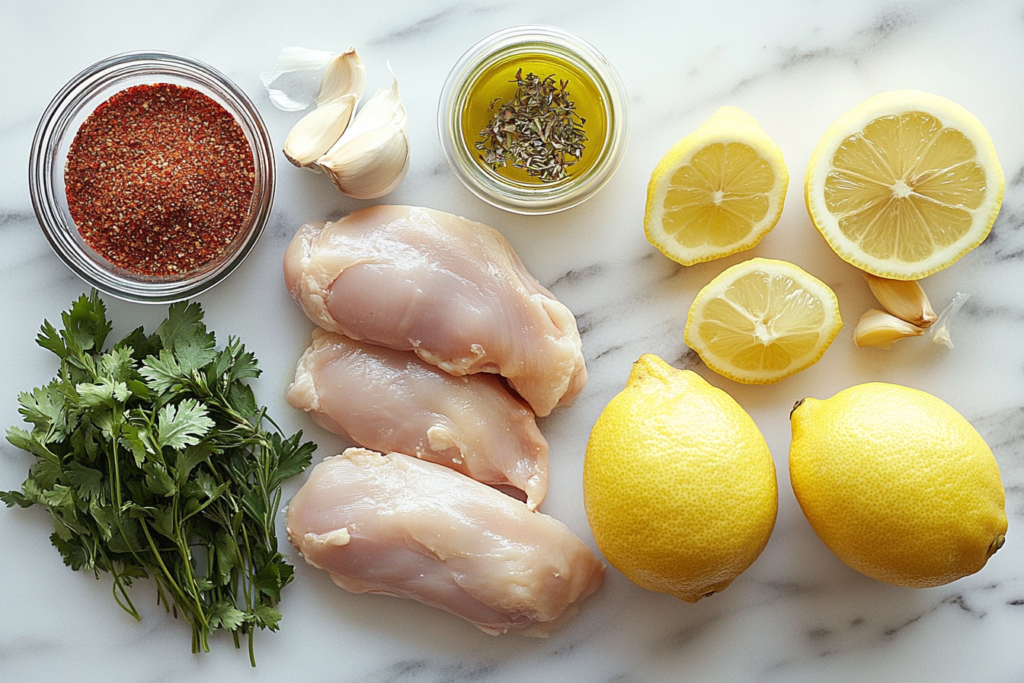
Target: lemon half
[[718, 191], [904, 184], [762, 320]]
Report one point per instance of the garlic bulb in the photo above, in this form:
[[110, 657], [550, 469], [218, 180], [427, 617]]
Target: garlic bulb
[[878, 328], [904, 299], [341, 86], [372, 157]]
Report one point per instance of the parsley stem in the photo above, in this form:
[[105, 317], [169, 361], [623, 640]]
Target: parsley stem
[[194, 591], [182, 599], [247, 590], [118, 588], [115, 494]]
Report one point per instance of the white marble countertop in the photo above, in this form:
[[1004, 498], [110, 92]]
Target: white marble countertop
[[798, 614]]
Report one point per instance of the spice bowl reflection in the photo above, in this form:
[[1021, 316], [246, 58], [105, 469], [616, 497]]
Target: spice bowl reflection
[[120, 257]]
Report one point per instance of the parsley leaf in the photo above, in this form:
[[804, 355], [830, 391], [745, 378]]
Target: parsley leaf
[[45, 409], [162, 373], [183, 424], [225, 615], [153, 460], [85, 328], [184, 324], [88, 482]]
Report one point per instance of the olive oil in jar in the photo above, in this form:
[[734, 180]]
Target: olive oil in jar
[[496, 85]]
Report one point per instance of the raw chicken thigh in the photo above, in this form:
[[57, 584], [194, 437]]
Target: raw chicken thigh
[[400, 526], [389, 400], [451, 290]]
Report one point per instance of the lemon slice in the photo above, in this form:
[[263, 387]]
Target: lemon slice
[[718, 191], [762, 320], [904, 184]]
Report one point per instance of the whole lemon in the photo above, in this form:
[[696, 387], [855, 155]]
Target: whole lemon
[[897, 484], [678, 483]]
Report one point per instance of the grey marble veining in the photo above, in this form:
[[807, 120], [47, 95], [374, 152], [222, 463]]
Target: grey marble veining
[[798, 614]]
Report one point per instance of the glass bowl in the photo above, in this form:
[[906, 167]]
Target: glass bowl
[[57, 129], [539, 46]]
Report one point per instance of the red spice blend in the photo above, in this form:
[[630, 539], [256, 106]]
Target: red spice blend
[[160, 180]]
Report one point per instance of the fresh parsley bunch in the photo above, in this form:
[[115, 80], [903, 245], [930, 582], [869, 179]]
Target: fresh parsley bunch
[[153, 460]]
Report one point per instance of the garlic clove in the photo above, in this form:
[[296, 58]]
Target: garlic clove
[[372, 157], [904, 299], [878, 328], [371, 165], [345, 74], [383, 109], [341, 87], [319, 130]]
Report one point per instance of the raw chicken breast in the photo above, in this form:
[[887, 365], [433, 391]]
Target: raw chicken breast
[[400, 526], [388, 400], [445, 287]]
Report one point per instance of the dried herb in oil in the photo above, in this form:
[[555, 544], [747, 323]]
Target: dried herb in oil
[[538, 130]]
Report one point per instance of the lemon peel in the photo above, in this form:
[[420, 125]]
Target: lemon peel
[[897, 484], [678, 483]]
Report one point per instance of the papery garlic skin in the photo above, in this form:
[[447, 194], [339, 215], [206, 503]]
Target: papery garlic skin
[[293, 60], [372, 158], [319, 130], [940, 333], [878, 328], [341, 88], [904, 299]]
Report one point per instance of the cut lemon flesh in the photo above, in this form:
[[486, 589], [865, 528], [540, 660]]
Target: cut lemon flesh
[[718, 191], [904, 185], [762, 320]]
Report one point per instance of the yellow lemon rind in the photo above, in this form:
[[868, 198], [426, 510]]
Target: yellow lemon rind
[[830, 304], [950, 114], [727, 125], [679, 486], [897, 484]]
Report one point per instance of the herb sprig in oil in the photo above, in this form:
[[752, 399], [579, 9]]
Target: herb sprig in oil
[[538, 130]]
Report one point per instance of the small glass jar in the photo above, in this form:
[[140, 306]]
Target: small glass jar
[[61, 122], [465, 109]]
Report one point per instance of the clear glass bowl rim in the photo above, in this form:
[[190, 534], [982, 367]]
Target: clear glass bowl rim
[[53, 127]]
